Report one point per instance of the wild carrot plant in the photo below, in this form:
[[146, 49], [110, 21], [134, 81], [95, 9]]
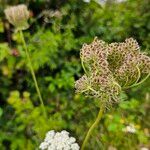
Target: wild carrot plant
[[18, 16], [110, 69]]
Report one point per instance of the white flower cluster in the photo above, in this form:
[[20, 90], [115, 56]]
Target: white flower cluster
[[87, 1], [112, 148], [59, 141], [144, 148], [130, 129]]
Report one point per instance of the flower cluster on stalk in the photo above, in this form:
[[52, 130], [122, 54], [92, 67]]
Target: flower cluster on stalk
[[109, 68], [18, 16]]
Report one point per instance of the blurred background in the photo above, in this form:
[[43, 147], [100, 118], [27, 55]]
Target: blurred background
[[58, 28]]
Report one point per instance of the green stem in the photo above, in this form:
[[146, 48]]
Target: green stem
[[33, 74], [126, 82], [138, 82], [82, 63], [117, 85], [142, 80], [139, 75], [138, 78], [99, 116], [92, 90]]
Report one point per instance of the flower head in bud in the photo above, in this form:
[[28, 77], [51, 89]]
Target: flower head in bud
[[18, 16], [111, 67]]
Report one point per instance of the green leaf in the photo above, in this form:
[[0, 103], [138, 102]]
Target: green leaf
[[1, 111], [4, 50]]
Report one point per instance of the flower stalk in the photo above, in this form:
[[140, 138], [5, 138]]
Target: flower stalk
[[33, 74], [139, 83], [93, 126]]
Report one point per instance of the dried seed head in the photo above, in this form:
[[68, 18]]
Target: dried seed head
[[18, 16]]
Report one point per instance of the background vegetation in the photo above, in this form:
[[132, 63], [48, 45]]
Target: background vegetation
[[58, 30]]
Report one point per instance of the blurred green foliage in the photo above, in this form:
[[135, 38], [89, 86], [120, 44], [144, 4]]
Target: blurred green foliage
[[54, 43]]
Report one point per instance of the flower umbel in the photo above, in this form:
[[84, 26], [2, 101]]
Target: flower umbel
[[110, 68], [59, 141], [18, 16]]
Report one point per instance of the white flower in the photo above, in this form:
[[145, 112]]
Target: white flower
[[112, 148], [75, 146], [59, 141], [144, 148], [87, 1], [103, 2], [130, 129], [43, 145], [120, 1]]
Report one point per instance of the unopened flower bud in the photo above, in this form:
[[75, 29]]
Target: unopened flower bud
[[18, 16]]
